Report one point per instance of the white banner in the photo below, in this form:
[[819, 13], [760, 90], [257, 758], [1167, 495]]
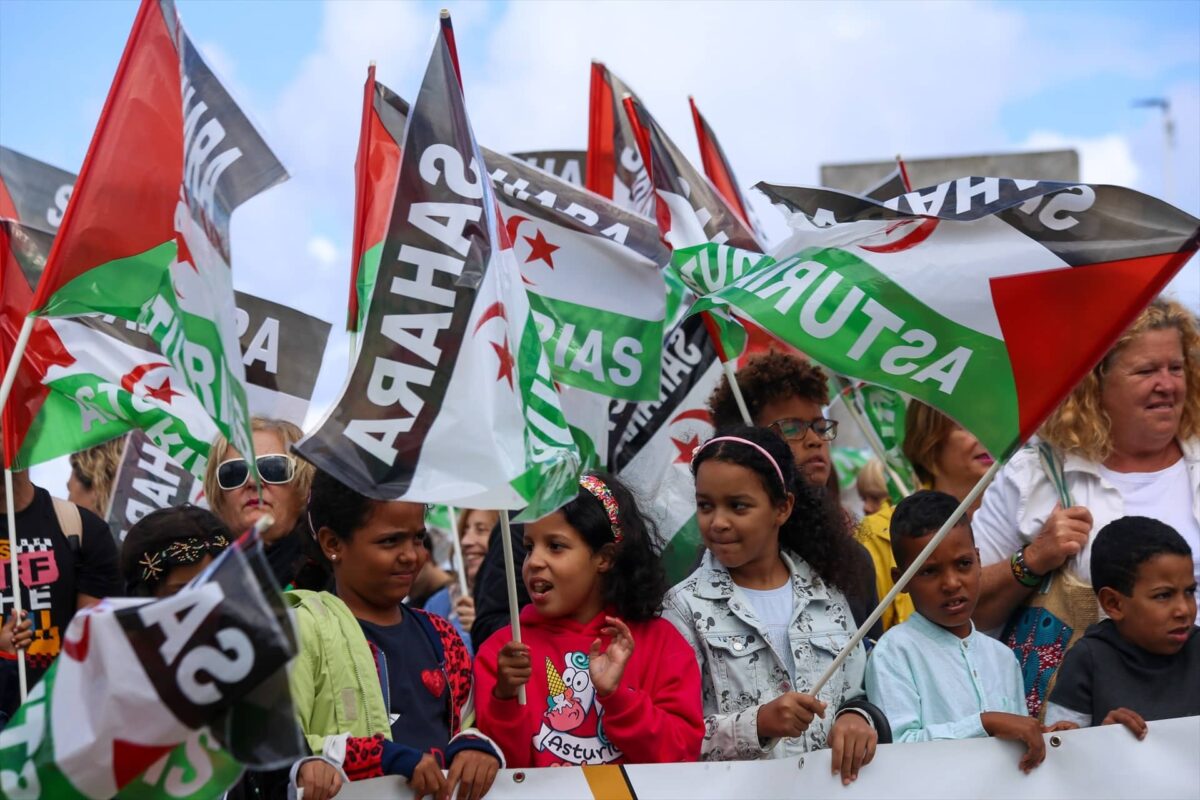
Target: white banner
[[1090, 763]]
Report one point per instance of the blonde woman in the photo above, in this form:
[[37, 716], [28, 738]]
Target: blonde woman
[[93, 472], [234, 497]]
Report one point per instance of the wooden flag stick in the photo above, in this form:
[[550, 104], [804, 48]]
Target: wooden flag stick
[[510, 572], [14, 577]]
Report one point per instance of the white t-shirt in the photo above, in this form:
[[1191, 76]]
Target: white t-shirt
[[1165, 496], [774, 607]]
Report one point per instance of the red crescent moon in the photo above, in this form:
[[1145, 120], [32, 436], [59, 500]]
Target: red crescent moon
[[494, 310], [514, 222], [918, 235], [130, 379], [695, 413]]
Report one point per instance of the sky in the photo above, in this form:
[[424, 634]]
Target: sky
[[786, 86]]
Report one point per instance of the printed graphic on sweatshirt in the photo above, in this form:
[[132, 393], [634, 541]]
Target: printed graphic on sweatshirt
[[572, 728]]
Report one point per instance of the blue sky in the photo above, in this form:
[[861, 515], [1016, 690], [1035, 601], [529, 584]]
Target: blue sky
[[787, 86]]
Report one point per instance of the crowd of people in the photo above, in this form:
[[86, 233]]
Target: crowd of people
[[1064, 598]]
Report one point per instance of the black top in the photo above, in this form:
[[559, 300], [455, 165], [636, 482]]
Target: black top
[[1103, 671], [865, 596], [491, 588], [416, 686]]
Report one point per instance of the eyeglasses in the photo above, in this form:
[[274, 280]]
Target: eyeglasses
[[274, 468], [794, 429]]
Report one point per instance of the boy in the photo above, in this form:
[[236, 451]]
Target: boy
[[934, 675], [1143, 662]]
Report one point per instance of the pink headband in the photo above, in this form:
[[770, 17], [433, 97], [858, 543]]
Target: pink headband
[[599, 490], [696, 453]]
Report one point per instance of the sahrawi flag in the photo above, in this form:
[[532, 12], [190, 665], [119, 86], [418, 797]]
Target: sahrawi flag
[[956, 294], [614, 166], [146, 234], [203, 668], [450, 399]]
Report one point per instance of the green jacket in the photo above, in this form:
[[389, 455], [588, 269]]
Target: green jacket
[[334, 683]]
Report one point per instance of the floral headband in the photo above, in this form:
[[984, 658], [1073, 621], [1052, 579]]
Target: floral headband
[[599, 490], [180, 552]]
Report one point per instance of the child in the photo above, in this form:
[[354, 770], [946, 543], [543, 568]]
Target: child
[[607, 681], [1143, 662], [934, 675], [167, 548], [766, 612], [871, 485]]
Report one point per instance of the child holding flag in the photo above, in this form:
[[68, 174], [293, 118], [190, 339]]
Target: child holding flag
[[608, 681], [765, 613]]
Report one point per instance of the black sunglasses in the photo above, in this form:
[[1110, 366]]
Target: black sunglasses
[[793, 429], [274, 468]]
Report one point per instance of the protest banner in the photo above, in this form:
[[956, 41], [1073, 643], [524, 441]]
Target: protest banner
[[566, 165]]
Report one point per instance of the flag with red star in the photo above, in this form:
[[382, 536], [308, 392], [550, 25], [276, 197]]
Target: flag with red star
[[451, 397]]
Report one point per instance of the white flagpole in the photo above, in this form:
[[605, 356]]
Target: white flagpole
[[902, 582], [14, 575], [456, 556], [731, 376], [510, 573], [10, 372]]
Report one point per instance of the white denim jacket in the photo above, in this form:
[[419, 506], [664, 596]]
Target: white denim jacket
[[740, 670]]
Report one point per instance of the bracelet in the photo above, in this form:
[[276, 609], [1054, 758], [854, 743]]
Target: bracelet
[[1021, 571]]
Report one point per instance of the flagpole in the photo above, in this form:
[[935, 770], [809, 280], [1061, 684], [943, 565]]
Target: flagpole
[[731, 375], [456, 555], [902, 581], [510, 573], [14, 578], [14, 361]]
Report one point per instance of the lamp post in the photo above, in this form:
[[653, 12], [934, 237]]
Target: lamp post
[[1168, 139]]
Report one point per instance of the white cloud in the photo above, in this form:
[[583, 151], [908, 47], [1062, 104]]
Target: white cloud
[[323, 250]]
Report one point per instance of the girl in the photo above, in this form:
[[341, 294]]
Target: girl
[[380, 688], [765, 612], [167, 548], [607, 680]]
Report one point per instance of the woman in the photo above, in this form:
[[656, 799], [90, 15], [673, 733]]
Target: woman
[[93, 472], [474, 529], [234, 497], [380, 688], [1128, 443]]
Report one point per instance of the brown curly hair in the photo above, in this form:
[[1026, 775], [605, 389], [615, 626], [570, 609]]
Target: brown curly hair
[[1080, 425], [96, 469], [768, 377]]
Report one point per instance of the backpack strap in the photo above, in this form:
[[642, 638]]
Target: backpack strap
[[70, 521], [1052, 464]]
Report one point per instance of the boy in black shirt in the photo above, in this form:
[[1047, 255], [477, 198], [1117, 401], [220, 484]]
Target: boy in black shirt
[[1143, 662]]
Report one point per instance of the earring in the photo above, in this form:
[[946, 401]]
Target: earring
[[333, 557]]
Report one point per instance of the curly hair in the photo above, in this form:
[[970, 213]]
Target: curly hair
[[925, 432], [768, 377], [636, 584], [1080, 424], [816, 530], [96, 469], [287, 432]]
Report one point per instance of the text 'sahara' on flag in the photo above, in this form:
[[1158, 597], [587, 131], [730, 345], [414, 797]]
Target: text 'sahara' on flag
[[953, 294], [146, 234], [451, 398]]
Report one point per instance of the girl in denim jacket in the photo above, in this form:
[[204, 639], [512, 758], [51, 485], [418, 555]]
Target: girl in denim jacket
[[765, 612]]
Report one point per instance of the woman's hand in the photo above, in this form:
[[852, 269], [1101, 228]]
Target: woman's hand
[[513, 670], [16, 635], [852, 741], [790, 714], [1064, 535], [464, 609], [427, 779], [471, 773], [319, 779], [607, 668]]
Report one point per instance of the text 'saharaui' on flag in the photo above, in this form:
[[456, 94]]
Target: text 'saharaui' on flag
[[451, 398], [964, 295]]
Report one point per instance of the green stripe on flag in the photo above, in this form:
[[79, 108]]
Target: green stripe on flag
[[680, 554], [120, 287]]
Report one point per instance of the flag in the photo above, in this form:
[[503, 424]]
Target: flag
[[147, 479], [566, 165], [202, 658], [33, 192], [720, 171], [894, 184], [146, 234], [614, 165], [885, 411], [450, 399], [957, 294], [375, 169]]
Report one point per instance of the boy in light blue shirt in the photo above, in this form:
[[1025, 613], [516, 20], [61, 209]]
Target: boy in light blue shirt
[[934, 676]]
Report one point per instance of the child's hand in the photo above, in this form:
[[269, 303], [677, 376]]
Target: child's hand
[[464, 609], [852, 741], [790, 714], [16, 635], [1061, 725], [513, 670], [1017, 728], [607, 668], [319, 779], [1130, 719], [427, 778], [471, 773]]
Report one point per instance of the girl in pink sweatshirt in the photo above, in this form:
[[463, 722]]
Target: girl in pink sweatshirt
[[606, 679]]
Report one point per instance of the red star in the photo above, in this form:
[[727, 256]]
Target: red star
[[164, 392], [539, 248], [685, 448], [183, 254], [506, 361]]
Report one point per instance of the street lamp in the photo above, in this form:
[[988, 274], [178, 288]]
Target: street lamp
[[1168, 138]]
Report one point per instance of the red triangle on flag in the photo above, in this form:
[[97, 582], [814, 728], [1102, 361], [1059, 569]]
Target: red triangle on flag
[[131, 759], [1058, 324]]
